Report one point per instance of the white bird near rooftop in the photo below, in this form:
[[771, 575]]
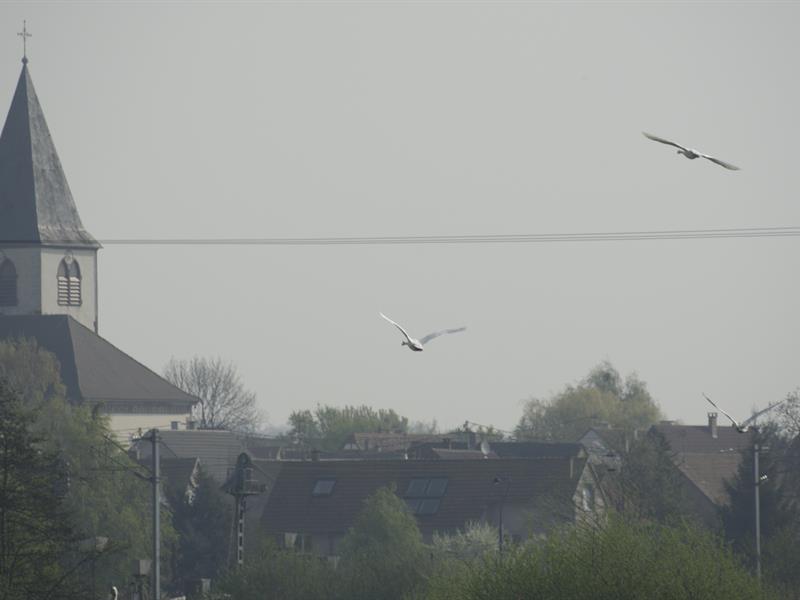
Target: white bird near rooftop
[[744, 426], [689, 153], [417, 344]]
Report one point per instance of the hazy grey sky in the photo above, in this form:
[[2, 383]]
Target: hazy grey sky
[[351, 118]]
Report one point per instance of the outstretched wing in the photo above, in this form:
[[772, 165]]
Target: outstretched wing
[[436, 334], [761, 412], [403, 331], [735, 423], [655, 138], [721, 163]]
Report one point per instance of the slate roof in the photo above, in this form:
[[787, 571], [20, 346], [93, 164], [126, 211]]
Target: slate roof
[[216, 449], [390, 441], [536, 449], [470, 490], [93, 369], [36, 205], [707, 462]]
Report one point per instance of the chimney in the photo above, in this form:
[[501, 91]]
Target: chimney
[[712, 424]]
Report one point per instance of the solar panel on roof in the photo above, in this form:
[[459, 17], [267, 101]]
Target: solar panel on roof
[[437, 487]]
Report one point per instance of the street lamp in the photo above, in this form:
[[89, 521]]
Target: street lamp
[[497, 481]]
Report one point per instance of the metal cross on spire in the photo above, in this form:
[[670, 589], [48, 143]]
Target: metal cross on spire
[[24, 35]]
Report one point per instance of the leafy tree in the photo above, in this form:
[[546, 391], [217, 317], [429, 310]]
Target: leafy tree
[[32, 371], [475, 541], [601, 396], [275, 574], [383, 555], [38, 546], [329, 426], [203, 525], [104, 498], [224, 401], [619, 560], [648, 485], [778, 500]]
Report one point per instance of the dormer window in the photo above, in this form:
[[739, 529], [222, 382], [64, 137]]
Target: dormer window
[[8, 283], [69, 282]]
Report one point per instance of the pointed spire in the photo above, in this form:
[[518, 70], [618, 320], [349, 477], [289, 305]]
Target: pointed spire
[[36, 205]]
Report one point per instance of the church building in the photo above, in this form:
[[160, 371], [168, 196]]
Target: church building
[[49, 280]]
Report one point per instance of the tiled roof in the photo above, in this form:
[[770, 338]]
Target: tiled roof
[[389, 442], [36, 204], [93, 369], [536, 449], [470, 490], [217, 450]]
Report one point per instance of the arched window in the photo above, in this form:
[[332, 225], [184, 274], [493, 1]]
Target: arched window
[[69, 282], [8, 283]]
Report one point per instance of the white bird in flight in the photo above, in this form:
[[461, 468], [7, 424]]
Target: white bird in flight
[[416, 345], [744, 426], [691, 154]]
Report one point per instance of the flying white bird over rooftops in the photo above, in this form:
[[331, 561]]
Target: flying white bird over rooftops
[[744, 426], [689, 153], [417, 344]]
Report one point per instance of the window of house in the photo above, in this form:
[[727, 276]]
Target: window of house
[[323, 487], [423, 496], [8, 283], [69, 282]]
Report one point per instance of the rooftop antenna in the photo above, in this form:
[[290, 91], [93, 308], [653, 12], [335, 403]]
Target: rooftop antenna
[[24, 35]]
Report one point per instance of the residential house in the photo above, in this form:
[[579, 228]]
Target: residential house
[[312, 504]]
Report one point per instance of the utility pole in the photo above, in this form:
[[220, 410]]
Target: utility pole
[[756, 487], [156, 479]]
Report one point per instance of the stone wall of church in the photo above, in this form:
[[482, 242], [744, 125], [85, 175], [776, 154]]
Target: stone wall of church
[[86, 313], [29, 289]]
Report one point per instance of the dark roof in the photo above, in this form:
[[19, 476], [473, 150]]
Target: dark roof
[[216, 449], [470, 490], [36, 205], [390, 441], [92, 369], [536, 449], [459, 454], [706, 461]]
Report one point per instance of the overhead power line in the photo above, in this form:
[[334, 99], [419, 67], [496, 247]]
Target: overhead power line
[[394, 240], [511, 238]]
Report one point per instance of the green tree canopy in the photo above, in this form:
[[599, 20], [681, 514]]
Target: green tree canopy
[[39, 556], [327, 427], [104, 497], [619, 560], [383, 555], [203, 525], [601, 396]]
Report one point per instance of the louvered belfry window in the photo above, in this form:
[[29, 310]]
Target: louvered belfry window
[[69, 283], [8, 283]]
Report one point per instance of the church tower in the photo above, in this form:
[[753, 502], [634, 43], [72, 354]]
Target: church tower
[[48, 261]]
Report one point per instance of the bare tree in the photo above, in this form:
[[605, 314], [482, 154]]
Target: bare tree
[[224, 402]]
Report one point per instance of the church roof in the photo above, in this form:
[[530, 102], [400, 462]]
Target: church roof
[[36, 205], [92, 369]]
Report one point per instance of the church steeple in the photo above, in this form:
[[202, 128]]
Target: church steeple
[[48, 261], [36, 204]]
